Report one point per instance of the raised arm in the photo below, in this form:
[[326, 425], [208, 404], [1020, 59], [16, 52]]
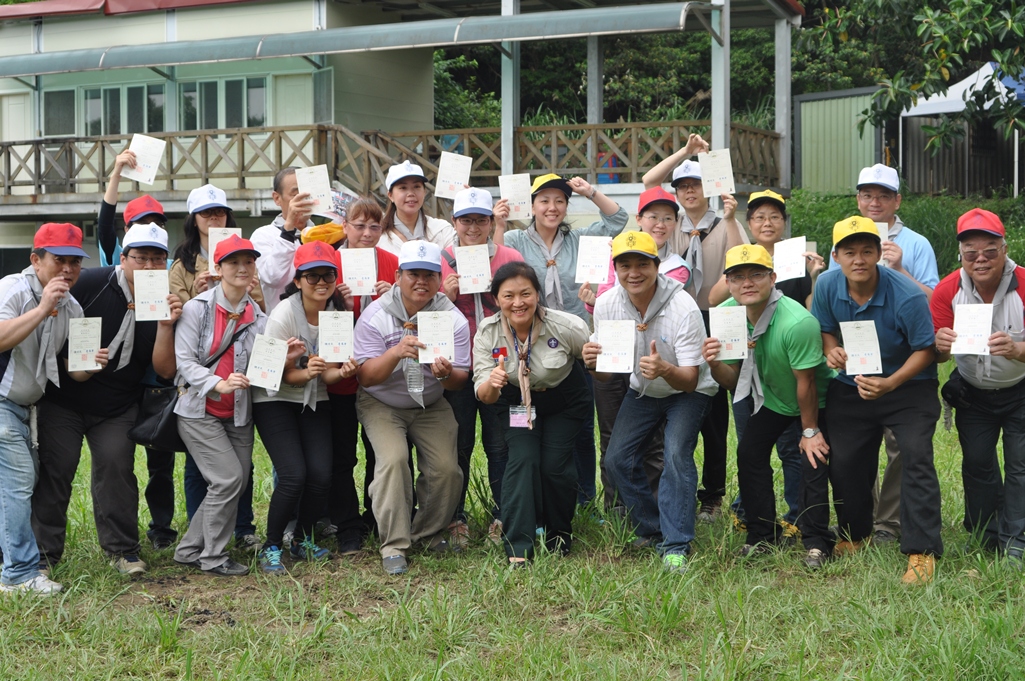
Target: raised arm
[[664, 169]]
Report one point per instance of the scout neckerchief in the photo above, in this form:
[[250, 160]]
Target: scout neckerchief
[[553, 287], [523, 356], [694, 257], [391, 302], [46, 364], [125, 338], [749, 382], [665, 289], [295, 307], [478, 303], [966, 294], [418, 229], [237, 314]]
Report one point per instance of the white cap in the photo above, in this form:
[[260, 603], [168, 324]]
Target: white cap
[[420, 255], [207, 196], [402, 171], [884, 176], [686, 170], [147, 235], [472, 201]]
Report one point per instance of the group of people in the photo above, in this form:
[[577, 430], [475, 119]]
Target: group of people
[[525, 360]]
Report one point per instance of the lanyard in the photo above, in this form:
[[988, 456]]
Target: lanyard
[[516, 347]]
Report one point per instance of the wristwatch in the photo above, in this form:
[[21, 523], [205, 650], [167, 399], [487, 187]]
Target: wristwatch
[[810, 432]]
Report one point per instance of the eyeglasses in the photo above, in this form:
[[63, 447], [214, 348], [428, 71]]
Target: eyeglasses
[[314, 278], [761, 219], [360, 226], [158, 260], [667, 220], [214, 212], [482, 221], [881, 197], [689, 185], [755, 277], [989, 254]]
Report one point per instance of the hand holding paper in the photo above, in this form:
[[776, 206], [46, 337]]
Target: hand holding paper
[[973, 325], [317, 183], [729, 326], [436, 330], [717, 173], [593, 258], [617, 338], [453, 175], [148, 152], [861, 344], [267, 363], [516, 190]]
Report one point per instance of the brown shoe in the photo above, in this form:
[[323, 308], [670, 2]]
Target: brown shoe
[[459, 535], [921, 568], [847, 548]]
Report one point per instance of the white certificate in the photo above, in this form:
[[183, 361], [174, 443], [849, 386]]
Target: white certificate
[[436, 330], [788, 258], [474, 268], [335, 343], [267, 363], [151, 291], [884, 231], [359, 270], [729, 326], [84, 343], [617, 339], [593, 259], [862, 346], [973, 325], [453, 175], [216, 236], [717, 173], [516, 190], [148, 152], [317, 183]]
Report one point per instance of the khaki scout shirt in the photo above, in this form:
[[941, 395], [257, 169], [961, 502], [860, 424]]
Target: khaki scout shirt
[[559, 343]]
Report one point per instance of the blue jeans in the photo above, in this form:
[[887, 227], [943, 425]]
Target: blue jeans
[[672, 516], [788, 449], [18, 472], [195, 492], [465, 406]]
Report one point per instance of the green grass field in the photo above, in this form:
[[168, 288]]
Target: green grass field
[[600, 613]]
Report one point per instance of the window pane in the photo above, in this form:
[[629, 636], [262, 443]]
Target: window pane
[[208, 105], [112, 111], [256, 102], [234, 116], [190, 107], [136, 109], [93, 112], [59, 112], [155, 109]]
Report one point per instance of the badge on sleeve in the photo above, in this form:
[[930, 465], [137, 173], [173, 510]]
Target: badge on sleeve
[[499, 352]]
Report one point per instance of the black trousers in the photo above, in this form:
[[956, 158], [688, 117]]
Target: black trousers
[[713, 439], [343, 503], [160, 494]]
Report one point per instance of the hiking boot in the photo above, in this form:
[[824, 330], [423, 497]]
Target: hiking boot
[[675, 563], [921, 568], [710, 511], [752, 550], [816, 558], [395, 565], [847, 548], [495, 532], [249, 542], [162, 543], [128, 564], [349, 547], [229, 568], [38, 585], [270, 561], [882, 537], [307, 550], [459, 535]]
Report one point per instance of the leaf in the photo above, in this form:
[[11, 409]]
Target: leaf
[[945, 72]]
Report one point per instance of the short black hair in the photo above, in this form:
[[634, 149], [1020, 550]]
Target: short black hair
[[511, 270], [280, 176]]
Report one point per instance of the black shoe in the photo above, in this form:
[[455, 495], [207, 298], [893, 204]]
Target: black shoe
[[880, 537], [349, 547], [189, 563], [229, 568], [162, 543]]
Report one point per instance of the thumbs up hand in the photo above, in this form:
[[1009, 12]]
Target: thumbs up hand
[[653, 366], [499, 379]]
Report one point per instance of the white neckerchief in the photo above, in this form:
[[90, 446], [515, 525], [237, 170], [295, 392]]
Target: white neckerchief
[[125, 338], [749, 382], [418, 233], [46, 365], [695, 259]]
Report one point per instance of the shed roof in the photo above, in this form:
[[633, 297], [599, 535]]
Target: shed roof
[[53, 8]]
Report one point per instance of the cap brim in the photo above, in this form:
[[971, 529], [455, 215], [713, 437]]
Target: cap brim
[[145, 244], [66, 250], [209, 206], [968, 232], [421, 265], [256, 254], [553, 184], [877, 184], [680, 179], [746, 264], [751, 205], [665, 202], [406, 177], [140, 216], [644, 253], [857, 234], [316, 263], [473, 211]]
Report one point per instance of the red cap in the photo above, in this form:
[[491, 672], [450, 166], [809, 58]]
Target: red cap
[[233, 244], [657, 195], [60, 239], [142, 207], [979, 220], [315, 254]]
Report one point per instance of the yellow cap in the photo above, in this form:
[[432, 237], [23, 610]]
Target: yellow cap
[[634, 242], [767, 195], [550, 181], [851, 226], [329, 233], [747, 254]]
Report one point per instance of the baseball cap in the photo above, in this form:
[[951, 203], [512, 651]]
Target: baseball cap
[[766, 196], [144, 206], [315, 254], [686, 170], [206, 197], [979, 220], [471, 201], [141, 235], [881, 175], [853, 225], [329, 233], [657, 195], [420, 255], [640, 243], [747, 255], [60, 238], [233, 244], [401, 172], [550, 181]]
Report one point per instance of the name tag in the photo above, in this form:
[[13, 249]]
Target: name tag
[[518, 417]]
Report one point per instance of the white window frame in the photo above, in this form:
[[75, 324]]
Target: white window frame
[[222, 99]]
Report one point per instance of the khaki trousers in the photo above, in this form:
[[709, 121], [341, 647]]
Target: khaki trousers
[[886, 496]]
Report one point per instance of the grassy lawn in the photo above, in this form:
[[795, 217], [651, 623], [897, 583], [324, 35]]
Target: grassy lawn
[[601, 613]]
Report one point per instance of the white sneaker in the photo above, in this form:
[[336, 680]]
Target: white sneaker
[[38, 584], [128, 564]]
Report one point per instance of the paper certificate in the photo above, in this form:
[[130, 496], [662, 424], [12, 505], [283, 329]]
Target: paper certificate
[[788, 258], [359, 270], [335, 344], [148, 152], [317, 183], [884, 231], [151, 291], [717, 173], [453, 175], [729, 326], [474, 266], [973, 325], [593, 259], [436, 330], [267, 363], [516, 190], [862, 346], [84, 343], [216, 236], [617, 338]]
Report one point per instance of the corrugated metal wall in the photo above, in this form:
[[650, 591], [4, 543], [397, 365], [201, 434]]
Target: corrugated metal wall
[[990, 162], [832, 152]]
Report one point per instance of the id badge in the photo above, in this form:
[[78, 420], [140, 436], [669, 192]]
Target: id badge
[[518, 417]]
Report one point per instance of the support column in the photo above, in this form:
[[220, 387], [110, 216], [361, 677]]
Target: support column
[[783, 101], [721, 77], [510, 93], [595, 97]]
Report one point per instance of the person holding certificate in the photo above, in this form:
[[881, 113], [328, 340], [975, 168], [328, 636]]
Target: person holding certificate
[[903, 397], [526, 362], [473, 260], [405, 219], [103, 410], [669, 384], [401, 384], [295, 421], [783, 380], [991, 395], [213, 341]]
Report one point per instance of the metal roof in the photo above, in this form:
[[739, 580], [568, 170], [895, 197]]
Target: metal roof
[[54, 8]]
